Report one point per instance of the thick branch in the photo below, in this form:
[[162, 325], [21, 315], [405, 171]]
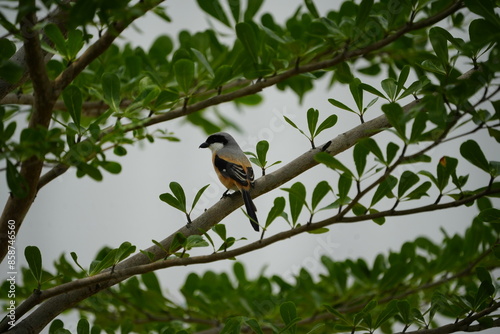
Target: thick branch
[[58, 17], [16, 207]]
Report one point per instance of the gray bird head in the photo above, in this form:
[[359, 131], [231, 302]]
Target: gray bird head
[[219, 140]]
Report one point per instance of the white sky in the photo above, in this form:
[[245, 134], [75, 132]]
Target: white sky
[[82, 216]]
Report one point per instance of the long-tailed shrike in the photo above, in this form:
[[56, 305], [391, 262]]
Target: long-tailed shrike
[[233, 169]]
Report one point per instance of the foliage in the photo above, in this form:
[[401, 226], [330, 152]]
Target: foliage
[[93, 99], [421, 285]]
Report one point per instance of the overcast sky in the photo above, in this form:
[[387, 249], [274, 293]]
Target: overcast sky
[[82, 216]]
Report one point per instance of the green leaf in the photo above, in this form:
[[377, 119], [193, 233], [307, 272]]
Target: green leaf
[[296, 199], [172, 201], [235, 8], [439, 44], [404, 311], [396, 116], [57, 326], [83, 326], [390, 87], [72, 97], [220, 229], [90, 170], [276, 210], [420, 191], [289, 121], [160, 48], [345, 183], [125, 249], [203, 60], [391, 151], [222, 75], [320, 230], [74, 43], [7, 49], [329, 122], [178, 241], [252, 9], [178, 192], [254, 325], [246, 34], [34, 259], [360, 153], [403, 76], [484, 293], [198, 195], [111, 90], [288, 313], [16, 182], [472, 152], [407, 180], [111, 166], [214, 9], [340, 105], [232, 325], [484, 8], [108, 261], [10, 71], [418, 127], [384, 189], [320, 191], [387, 313], [184, 74], [490, 215], [331, 162], [74, 256], [373, 147], [261, 149], [195, 241], [372, 90], [483, 274], [363, 13], [54, 33], [120, 151], [431, 66], [357, 93], [445, 168], [312, 120], [151, 282]]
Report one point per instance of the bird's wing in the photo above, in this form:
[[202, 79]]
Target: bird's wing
[[234, 170]]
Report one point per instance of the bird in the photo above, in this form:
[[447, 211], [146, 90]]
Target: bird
[[233, 169]]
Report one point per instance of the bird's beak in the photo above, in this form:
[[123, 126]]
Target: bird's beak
[[204, 145]]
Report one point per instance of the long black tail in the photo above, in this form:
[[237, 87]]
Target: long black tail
[[250, 207]]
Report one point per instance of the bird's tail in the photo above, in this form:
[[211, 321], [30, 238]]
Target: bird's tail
[[250, 207]]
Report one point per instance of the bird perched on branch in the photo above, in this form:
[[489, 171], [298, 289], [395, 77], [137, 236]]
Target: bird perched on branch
[[233, 169]]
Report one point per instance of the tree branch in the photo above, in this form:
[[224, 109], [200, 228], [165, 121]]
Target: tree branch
[[58, 17], [463, 325], [16, 207]]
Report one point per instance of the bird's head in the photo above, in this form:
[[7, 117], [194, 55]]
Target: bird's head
[[217, 141]]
